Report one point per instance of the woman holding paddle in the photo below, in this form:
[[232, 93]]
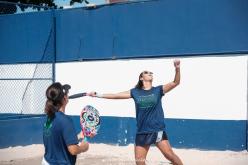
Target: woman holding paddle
[[59, 135]]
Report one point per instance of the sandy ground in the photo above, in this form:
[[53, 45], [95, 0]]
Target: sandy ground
[[102, 154]]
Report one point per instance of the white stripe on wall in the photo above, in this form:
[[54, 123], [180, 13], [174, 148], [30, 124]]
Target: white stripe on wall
[[211, 87]]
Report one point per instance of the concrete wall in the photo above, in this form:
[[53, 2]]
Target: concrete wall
[[207, 110]]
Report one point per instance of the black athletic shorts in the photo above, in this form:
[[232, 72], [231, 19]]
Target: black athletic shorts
[[150, 138]]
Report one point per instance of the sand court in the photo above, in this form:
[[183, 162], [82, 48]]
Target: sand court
[[123, 155]]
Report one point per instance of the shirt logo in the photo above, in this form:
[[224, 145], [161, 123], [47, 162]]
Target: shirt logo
[[147, 101], [47, 128]]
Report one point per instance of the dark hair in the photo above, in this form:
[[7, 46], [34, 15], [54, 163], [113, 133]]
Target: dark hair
[[139, 85], [55, 94]]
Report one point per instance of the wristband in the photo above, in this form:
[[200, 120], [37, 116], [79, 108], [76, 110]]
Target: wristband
[[85, 139]]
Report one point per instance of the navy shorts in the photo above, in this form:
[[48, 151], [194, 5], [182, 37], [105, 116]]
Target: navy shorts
[[150, 138]]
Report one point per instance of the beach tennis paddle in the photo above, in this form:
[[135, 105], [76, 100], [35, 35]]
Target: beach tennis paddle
[[89, 120], [77, 95]]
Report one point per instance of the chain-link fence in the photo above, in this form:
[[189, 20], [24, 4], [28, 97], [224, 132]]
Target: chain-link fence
[[23, 88], [23, 85]]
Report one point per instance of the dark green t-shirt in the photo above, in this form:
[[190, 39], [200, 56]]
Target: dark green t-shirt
[[149, 111], [57, 135]]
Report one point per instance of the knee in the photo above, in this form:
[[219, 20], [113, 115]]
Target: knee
[[139, 158]]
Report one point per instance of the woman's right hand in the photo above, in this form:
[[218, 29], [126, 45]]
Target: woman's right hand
[[84, 146], [93, 134], [92, 94]]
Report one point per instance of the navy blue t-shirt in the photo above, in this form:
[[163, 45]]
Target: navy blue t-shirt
[[57, 135], [149, 111]]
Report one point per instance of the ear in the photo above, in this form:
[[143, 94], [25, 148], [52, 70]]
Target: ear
[[65, 97]]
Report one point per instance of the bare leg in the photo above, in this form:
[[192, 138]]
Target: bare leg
[[165, 148], [140, 154]]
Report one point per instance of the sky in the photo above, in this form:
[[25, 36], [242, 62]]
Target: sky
[[66, 3]]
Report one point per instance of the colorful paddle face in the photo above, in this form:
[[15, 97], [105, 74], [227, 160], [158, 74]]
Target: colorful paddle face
[[89, 120]]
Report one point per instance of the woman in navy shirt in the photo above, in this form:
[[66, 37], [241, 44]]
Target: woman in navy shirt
[[149, 115], [59, 135]]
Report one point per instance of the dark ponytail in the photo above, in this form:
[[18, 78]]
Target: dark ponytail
[[139, 85], [55, 94]]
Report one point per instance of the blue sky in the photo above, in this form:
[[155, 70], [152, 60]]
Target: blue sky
[[67, 3]]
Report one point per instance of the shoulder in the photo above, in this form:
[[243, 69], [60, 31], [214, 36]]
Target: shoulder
[[159, 87], [133, 92], [63, 118], [136, 90]]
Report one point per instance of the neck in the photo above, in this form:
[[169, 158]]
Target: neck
[[147, 85], [62, 109]]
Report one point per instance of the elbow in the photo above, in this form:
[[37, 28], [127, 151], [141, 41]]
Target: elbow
[[73, 149], [73, 153], [77, 149], [176, 83], [81, 149]]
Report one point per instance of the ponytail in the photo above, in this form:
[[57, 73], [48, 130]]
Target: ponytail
[[139, 85], [50, 109]]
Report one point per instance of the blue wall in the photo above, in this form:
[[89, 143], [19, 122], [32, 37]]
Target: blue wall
[[183, 133], [155, 28], [27, 38], [20, 130]]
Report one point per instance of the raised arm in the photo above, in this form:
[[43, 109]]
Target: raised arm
[[176, 82], [120, 95]]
